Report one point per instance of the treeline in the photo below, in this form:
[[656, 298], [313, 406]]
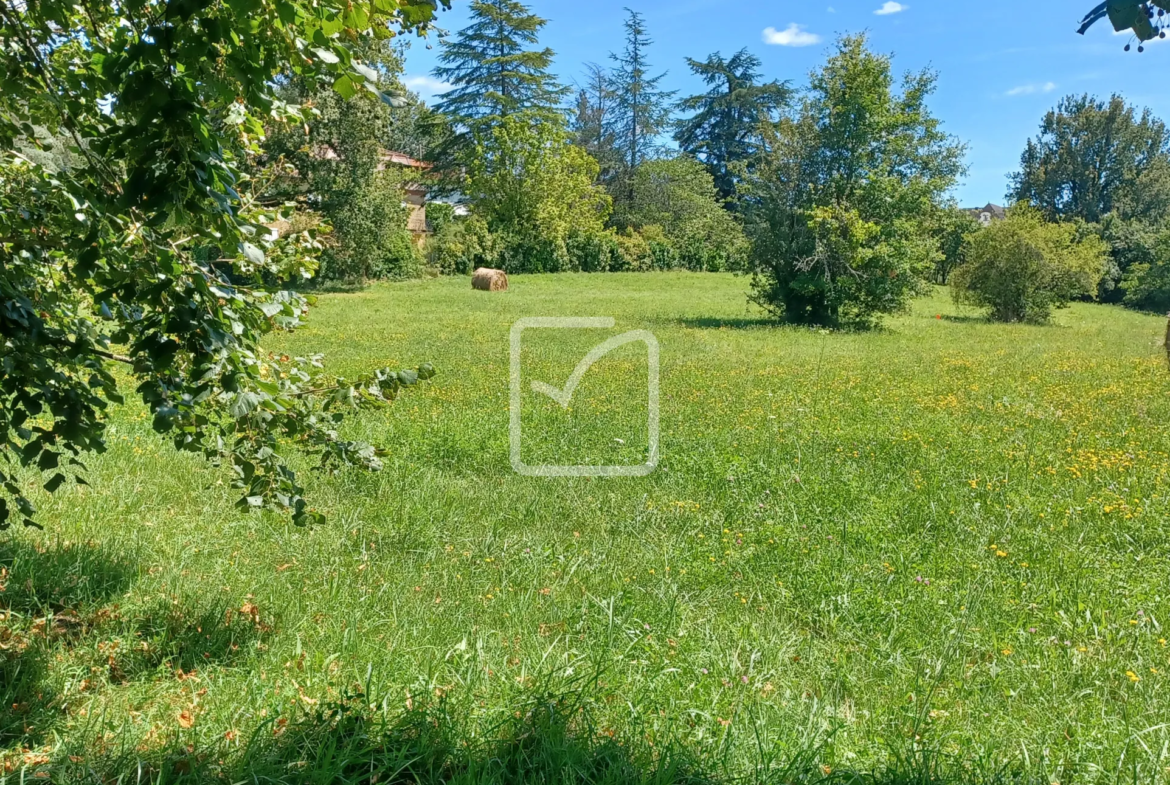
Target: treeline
[[557, 180], [834, 197], [1104, 168]]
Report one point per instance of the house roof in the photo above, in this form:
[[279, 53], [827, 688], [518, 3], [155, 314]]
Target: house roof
[[995, 209]]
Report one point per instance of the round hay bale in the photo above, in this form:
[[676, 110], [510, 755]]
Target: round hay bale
[[488, 280]]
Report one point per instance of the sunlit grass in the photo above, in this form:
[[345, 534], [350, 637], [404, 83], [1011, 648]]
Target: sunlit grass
[[941, 544]]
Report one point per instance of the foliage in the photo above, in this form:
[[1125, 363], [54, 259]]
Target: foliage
[[439, 215], [339, 169], [459, 246], [533, 188], [950, 227], [1134, 15], [678, 195], [106, 262], [467, 243], [416, 130], [494, 76], [724, 129], [1146, 282], [1023, 267], [594, 122], [1131, 243], [594, 251], [1094, 158], [836, 203], [642, 110]]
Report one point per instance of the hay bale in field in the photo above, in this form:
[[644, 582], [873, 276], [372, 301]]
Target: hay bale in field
[[488, 280]]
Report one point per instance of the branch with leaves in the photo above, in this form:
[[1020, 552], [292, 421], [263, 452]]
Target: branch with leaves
[[1146, 18], [150, 252]]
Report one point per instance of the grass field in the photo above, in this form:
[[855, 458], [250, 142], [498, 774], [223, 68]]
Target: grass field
[[935, 550]]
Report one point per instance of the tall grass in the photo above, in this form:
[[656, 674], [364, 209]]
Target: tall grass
[[936, 552]]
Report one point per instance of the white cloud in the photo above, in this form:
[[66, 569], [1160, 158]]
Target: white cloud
[[1032, 89], [426, 86], [891, 8], [793, 35]]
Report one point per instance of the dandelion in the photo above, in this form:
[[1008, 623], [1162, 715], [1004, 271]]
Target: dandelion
[[1133, 677]]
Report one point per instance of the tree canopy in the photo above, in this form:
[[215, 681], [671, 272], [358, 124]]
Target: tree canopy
[[152, 251], [496, 67], [643, 107], [1094, 157], [837, 204], [725, 127]]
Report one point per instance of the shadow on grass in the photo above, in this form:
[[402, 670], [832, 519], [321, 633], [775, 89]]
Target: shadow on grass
[[545, 740], [50, 599], [60, 607], [746, 323]]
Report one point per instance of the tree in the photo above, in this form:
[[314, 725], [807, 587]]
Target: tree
[[1021, 268], [494, 72], [593, 122], [534, 188], [725, 127], [152, 252], [678, 195], [643, 108], [950, 227], [338, 168], [1134, 15], [1093, 158], [837, 201], [1147, 284]]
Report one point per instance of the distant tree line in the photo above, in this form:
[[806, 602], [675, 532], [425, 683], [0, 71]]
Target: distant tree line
[[835, 198]]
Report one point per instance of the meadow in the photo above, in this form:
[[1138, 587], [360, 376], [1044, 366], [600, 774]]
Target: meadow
[[937, 551]]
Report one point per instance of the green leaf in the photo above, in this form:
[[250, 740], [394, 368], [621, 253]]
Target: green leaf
[[54, 482], [345, 87], [244, 404]]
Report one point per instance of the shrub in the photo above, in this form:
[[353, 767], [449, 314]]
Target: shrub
[[950, 227], [371, 238], [595, 251], [439, 215], [461, 246], [678, 210], [1023, 267], [524, 253], [634, 252], [1134, 248], [1147, 285], [534, 189]]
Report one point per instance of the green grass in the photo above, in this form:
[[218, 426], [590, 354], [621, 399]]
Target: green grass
[[939, 550]]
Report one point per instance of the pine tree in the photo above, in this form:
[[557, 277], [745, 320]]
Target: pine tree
[[643, 108], [728, 119], [493, 71], [593, 124]]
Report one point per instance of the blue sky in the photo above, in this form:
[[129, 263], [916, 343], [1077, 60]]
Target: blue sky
[[1001, 63]]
